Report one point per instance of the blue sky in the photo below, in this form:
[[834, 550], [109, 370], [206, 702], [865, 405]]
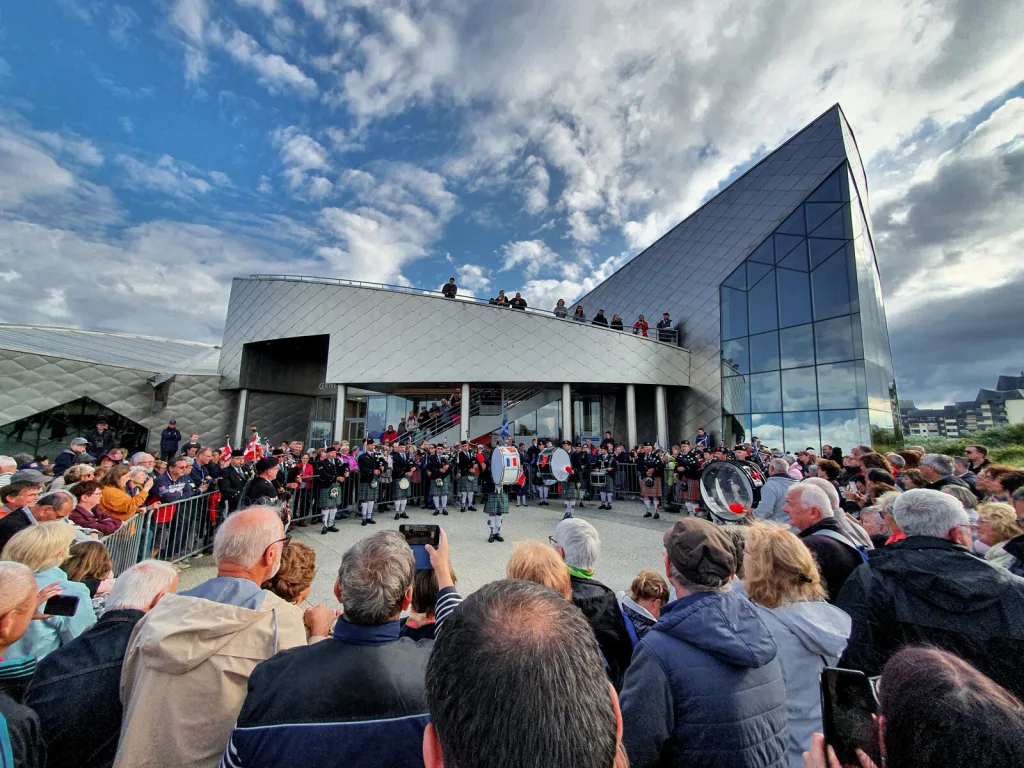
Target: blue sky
[[149, 151]]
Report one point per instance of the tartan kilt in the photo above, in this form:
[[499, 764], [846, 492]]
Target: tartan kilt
[[650, 492], [441, 490], [399, 492], [325, 498], [366, 493], [692, 492], [497, 503], [467, 483]]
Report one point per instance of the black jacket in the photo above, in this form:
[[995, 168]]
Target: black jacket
[[449, 290], [23, 731], [601, 608], [836, 561], [518, 303], [169, 439], [259, 489], [600, 320], [76, 691], [12, 524], [232, 483], [366, 462], [945, 480], [929, 591], [100, 443]]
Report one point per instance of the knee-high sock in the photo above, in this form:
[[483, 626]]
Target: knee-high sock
[[568, 507], [327, 516], [332, 513], [657, 502], [521, 499], [466, 501], [369, 509], [647, 503], [492, 524], [497, 523], [399, 506], [437, 503], [543, 491], [444, 502]]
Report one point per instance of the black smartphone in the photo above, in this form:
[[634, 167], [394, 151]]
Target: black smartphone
[[417, 537], [61, 605], [848, 709]]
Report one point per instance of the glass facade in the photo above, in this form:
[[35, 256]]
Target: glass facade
[[805, 347], [48, 432]]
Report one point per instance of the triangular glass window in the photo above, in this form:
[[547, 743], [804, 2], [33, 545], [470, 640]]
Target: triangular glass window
[[830, 191], [738, 279], [797, 258], [818, 212], [794, 225], [821, 249], [755, 271], [835, 225], [784, 244], [763, 253]]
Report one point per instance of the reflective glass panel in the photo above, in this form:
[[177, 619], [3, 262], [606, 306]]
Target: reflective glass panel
[[763, 253], [794, 297], [831, 190], [764, 352], [755, 271], [834, 286], [799, 389], [734, 427], [738, 279], [735, 394], [818, 212], [734, 355], [766, 427], [797, 258], [801, 430], [820, 249], [765, 392], [835, 225], [844, 429], [796, 346], [883, 429], [834, 340], [764, 312], [786, 243], [734, 313], [794, 225], [841, 385]]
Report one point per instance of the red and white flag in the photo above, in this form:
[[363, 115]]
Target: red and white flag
[[226, 450], [254, 450]]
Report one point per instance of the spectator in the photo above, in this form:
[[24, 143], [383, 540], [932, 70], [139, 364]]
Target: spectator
[[914, 478], [640, 327], [794, 470], [782, 580], [191, 448], [76, 689], [421, 623], [390, 435], [962, 469], [8, 467], [616, 324], [665, 328], [43, 548], [964, 496], [86, 513], [294, 579], [997, 524], [144, 461], [76, 473], [938, 471], [100, 439], [518, 302], [362, 689], [641, 608], [170, 439], [988, 482], [705, 686], [199, 474], [450, 290], [89, 563], [560, 309], [578, 315], [579, 546], [848, 524], [600, 319], [873, 521], [773, 494], [526, 656], [115, 499], [837, 556], [533, 561], [18, 498], [930, 589], [977, 455], [21, 732], [187, 664], [76, 449]]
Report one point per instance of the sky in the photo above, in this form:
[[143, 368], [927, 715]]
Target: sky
[[151, 151]]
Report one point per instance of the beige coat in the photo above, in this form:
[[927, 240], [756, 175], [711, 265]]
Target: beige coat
[[185, 674]]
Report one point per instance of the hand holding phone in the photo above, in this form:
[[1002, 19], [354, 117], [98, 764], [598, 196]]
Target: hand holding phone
[[418, 537], [849, 708], [61, 605]]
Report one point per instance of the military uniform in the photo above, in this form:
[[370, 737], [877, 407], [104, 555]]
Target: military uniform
[[401, 469], [651, 486], [369, 484], [571, 487], [605, 464]]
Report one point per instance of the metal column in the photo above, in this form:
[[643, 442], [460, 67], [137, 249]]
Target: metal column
[[566, 412], [630, 417], [243, 406], [464, 413], [661, 416], [340, 397]]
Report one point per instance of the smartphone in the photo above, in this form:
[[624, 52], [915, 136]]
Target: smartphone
[[848, 707], [417, 537], [61, 605]]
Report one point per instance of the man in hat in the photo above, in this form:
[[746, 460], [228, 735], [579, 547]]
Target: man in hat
[[369, 481], [571, 487], [330, 474], [101, 439], [232, 481], [70, 455], [170, 438], [262, 486], [651, 469], [704, 685]]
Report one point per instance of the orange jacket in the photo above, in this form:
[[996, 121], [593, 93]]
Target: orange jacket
[[117, 503]]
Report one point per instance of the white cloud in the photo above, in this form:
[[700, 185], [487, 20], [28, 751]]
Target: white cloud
[[122, 19], [531, 256], [269, 7], [5, 68], [305, 161], [190, 17], [264, 187], [473, 279], [582, 229], [274, 72], [169, 176], [537, 182]]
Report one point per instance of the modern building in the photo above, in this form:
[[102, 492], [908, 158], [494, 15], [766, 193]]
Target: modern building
[[778, 331], [997, 407]]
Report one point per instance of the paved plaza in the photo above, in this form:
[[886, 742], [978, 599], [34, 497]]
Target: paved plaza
[[629, 542]]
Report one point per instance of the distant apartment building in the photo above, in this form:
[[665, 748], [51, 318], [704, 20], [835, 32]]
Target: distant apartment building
[[991, 408]]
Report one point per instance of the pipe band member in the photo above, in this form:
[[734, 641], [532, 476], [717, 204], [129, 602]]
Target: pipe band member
[[651, 468], [521, 488], [497, 502], [439, 475], [605, 463], [329, 478], [369, 482], [571, 486], [401, 469], [469, 469]]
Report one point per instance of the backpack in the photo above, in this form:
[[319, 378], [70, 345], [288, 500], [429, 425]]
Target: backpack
[[630, 629], [861, 550]]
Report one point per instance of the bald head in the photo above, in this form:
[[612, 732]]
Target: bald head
[[245, 536]]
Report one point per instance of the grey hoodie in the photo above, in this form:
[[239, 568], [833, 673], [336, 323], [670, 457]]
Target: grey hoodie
[[810, 636], [773, 499]]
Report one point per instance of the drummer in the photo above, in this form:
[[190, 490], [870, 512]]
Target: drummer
[[604, 465], [497, 499], [520, 487], [651, 470], [469, 469], [572, 485], [401, 469]]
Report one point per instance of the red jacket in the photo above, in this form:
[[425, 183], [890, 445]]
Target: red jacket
[[95, 519]]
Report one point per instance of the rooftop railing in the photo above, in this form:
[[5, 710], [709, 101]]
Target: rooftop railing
[[664, 335]]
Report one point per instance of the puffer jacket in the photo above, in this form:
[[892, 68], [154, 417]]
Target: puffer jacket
[[1015, 547], [185, 674], [810, 637], [705, 688], [925, 590]]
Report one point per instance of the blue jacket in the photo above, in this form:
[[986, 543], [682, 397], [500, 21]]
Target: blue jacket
[[170, 490], [77, 693], [46, 636], [773, 499], [705, 689], [169, 439]]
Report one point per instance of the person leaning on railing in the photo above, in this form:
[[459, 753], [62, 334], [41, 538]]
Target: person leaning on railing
[[116, 501]]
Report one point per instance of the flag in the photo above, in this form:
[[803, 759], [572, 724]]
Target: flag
[[226, 450], [254, 450], [504, 420]]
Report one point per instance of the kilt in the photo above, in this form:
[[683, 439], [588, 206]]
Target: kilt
[[330, 496], [497, 503], [650, 492], [467, 483], [445, 489], [399, 492], [692, 492], [367, 493]]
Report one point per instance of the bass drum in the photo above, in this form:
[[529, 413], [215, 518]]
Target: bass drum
[[730, 489], [505, 466], [553, 466]]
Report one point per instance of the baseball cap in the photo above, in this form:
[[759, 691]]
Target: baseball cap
[[30, 476], [172, 421], [701, 552], [79, 441]]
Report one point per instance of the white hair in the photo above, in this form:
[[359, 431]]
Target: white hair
[[138, 457], [886, 500], [827, 487], [580, 542], [138, 586], [245, 536], [16, 584], [810, 496], [923, 512], [6, 462], [779, 466], [939, 462]]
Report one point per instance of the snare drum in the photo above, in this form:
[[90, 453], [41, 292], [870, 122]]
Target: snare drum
[[598, 479], [553, 466], [505, 466]]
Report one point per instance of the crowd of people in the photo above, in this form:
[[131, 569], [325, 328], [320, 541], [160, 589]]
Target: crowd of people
[[664, 328], [906, 566]]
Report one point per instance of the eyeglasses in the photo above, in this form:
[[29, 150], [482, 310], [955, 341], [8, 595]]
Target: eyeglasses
[[283, 541], [554, 543]]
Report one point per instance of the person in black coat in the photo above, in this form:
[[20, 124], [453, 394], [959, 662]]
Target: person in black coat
[[600, 319], [262, 486], [101, 439], [837, 556], [170, 439], [518, 302], [449, 290], [233, 479]]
